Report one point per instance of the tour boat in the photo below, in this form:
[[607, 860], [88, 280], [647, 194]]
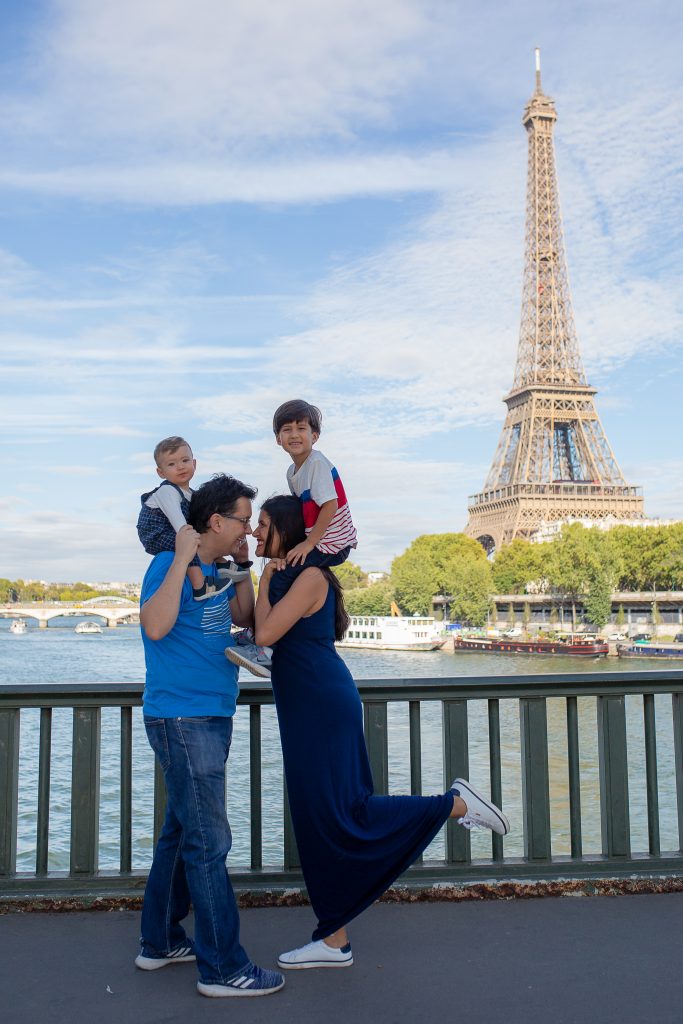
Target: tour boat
[[573, 643], [392, 633], [88, 627], [18, 626]]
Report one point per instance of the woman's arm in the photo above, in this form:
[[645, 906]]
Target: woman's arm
[[306, 596]]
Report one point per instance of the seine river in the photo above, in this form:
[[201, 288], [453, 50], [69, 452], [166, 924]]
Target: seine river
[[58, 655]]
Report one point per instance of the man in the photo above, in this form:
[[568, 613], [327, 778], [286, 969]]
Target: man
[[188, 704]]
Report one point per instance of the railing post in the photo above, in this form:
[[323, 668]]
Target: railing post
[[415, 742], [415, 753], [651, 774], [85, 791], [533, 720], [495, 771], [375, 723], [44, 771], [255, 785], [574, 773], [677, 715], [9, 789], [456, 764], [126, 796], [612, 754]]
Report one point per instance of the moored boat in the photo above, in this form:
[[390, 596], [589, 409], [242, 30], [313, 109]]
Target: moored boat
[[650, 650], [392, 633], [574, 643]]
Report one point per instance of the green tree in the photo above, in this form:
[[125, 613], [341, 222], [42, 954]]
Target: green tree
[[621, 616], [583, 561], [516, 565], [469, 584], [598, 600], [350, 575], [446, 563], [30, 591], [373, 600], [652, 557], [8, 591]]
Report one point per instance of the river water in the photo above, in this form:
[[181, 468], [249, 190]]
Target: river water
[[58, 655]]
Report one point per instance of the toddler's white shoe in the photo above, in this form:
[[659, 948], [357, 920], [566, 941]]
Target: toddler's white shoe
[[481, 813], [316, 954]]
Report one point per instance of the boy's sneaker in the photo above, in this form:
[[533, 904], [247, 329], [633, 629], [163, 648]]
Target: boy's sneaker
[[316, 954], [481, 813], [182, 954], [211, 587], [250, 981], [249, 655], [232, 571]]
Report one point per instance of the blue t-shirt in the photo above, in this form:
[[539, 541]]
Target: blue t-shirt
[[188, 674]]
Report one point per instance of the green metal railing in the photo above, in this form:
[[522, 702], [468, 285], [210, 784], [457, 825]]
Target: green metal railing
[[529, 694]]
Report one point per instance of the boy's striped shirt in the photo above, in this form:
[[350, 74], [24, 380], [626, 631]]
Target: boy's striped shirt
[[314, 483]]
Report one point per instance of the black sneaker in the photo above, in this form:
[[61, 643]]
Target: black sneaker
[[212, 587]]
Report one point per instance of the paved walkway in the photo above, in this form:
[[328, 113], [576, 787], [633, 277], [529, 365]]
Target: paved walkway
[[540, 961]]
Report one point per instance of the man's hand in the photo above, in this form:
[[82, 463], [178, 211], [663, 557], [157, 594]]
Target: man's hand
[[240, 552], [186, 544], [298, 553]]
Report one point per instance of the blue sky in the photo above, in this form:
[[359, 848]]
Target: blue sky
[[208, 208]]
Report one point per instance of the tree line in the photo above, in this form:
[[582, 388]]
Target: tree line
[[583, 564], [13, 591]]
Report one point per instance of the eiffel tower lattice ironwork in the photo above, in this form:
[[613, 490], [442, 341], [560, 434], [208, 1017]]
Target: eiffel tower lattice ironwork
[[553, 460]]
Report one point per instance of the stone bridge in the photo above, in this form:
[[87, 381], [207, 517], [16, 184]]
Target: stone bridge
[[112, 609]]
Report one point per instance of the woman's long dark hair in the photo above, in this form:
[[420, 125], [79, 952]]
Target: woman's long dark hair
[[286, 517]]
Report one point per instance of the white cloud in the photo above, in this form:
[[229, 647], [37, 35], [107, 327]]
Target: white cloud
[[314, 179], [64, 547], [215, 72]]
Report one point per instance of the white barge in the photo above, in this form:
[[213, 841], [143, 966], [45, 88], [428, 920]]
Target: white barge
[[393, 633]]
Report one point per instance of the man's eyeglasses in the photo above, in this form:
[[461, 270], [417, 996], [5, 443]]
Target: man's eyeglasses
[[244, 520]]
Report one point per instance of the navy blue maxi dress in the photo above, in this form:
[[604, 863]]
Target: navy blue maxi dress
[[352, 844]]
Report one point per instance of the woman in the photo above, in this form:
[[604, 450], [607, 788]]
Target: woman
[[352, 844]]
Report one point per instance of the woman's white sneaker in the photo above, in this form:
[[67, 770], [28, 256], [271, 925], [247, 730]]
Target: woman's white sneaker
[[316, 954], [481, 813]]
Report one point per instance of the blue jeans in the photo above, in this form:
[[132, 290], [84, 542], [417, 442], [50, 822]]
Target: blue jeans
[[189, 860]]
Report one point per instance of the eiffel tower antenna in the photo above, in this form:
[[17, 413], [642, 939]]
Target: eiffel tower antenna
[[553, 460]]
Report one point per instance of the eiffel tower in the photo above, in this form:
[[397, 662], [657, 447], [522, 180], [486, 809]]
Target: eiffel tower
[[553, 460]]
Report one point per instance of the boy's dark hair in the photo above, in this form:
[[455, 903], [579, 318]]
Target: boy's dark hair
[[220, 494], [170, 445], [297, 409], [287, 518]]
